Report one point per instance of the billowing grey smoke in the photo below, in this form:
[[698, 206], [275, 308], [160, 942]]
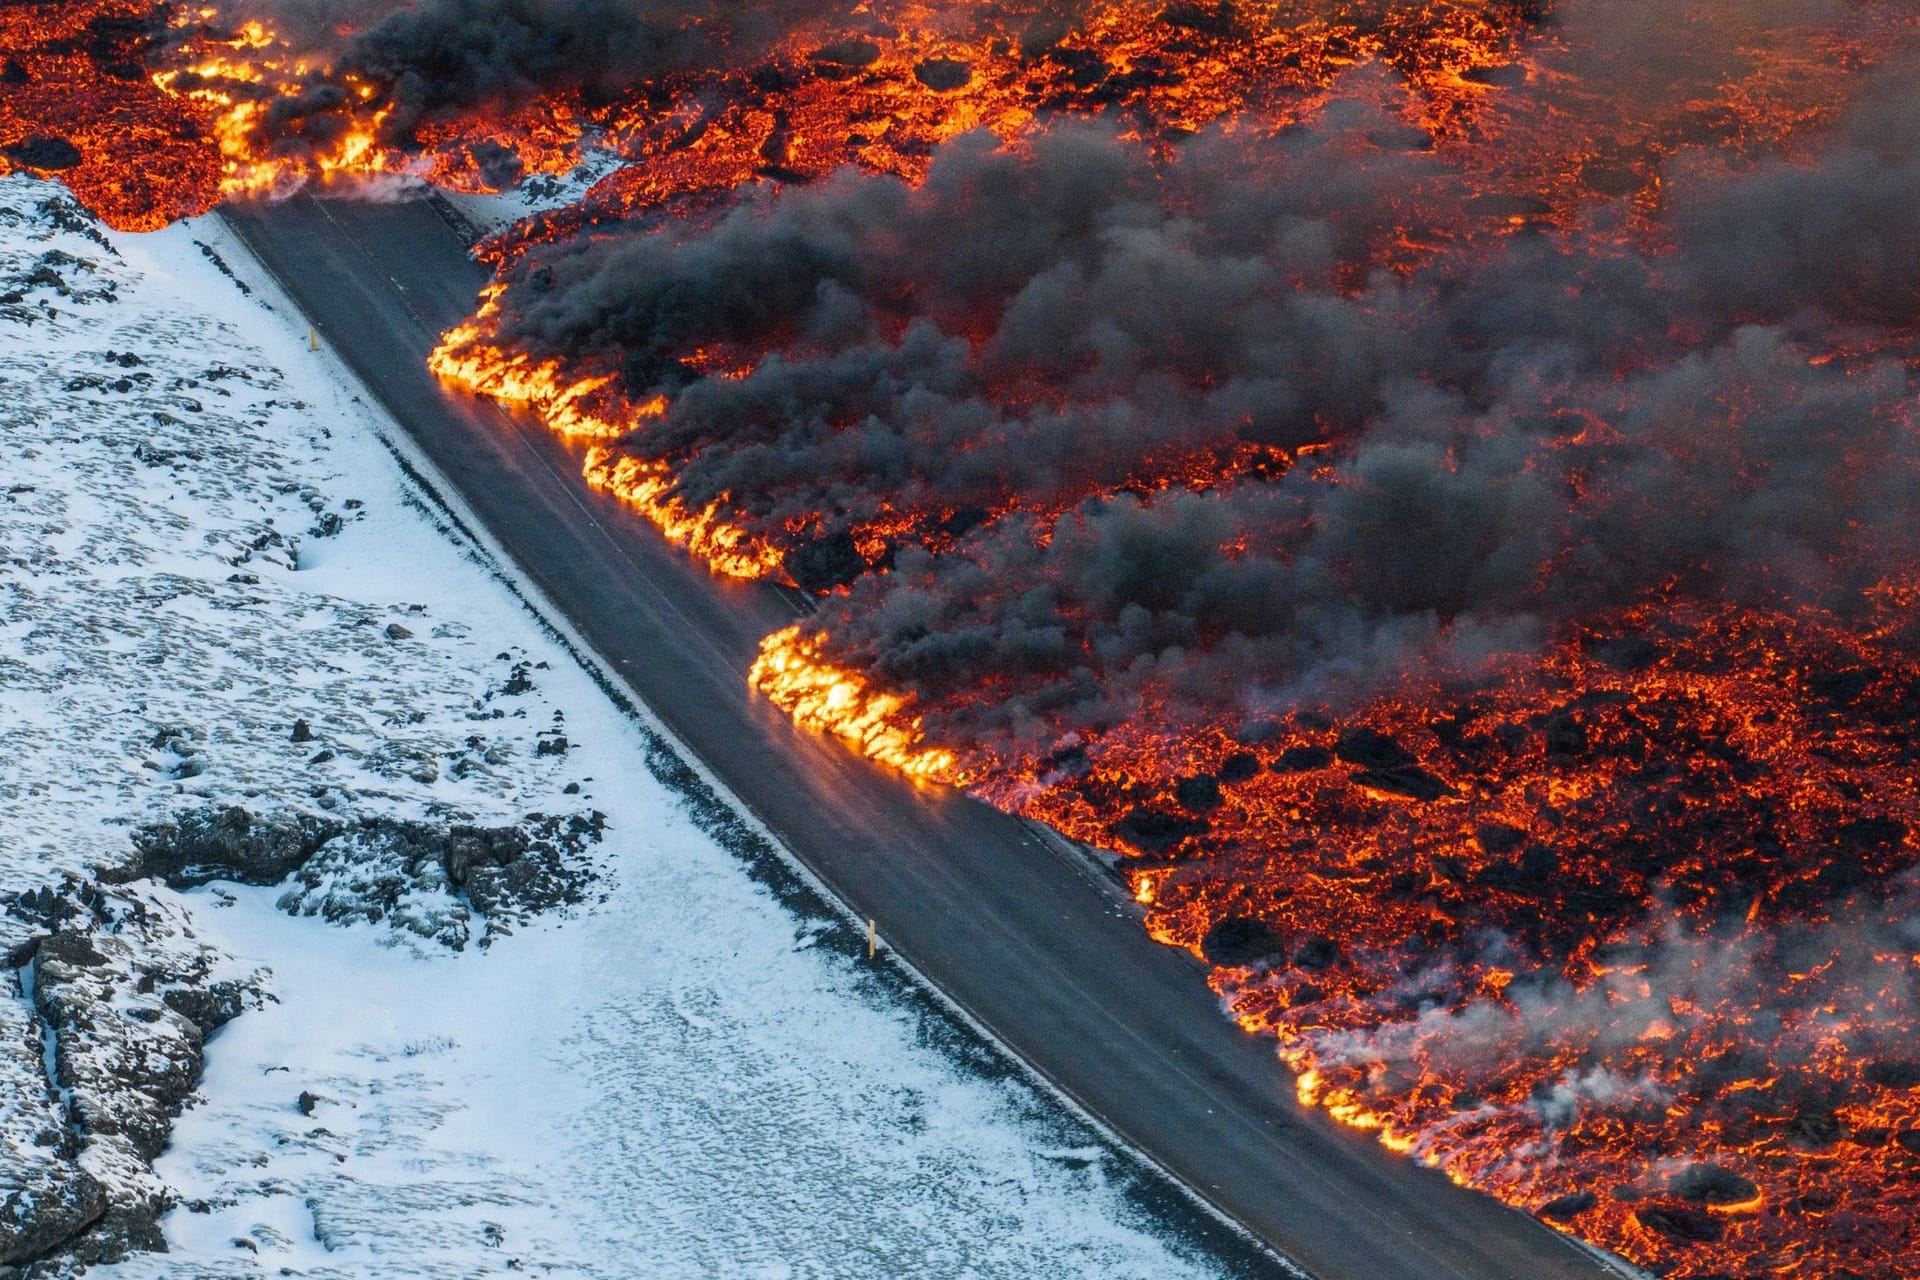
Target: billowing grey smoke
[[1020, 328], [1113, 450], [441, 59], [459, 54], [1833, 236], [1026, 334]]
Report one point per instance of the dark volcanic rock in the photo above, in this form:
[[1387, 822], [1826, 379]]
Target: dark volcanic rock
[[1042, 34], [129, 1226], [825, 563], [1842, 688], [464, 849], [1239, 940], [1239, 767], [1873, 833], [130, 1065], [1371, 749], [211, 1006], [43, 153], [69, 948], [1566, 735], [1507, 204], [366, 870], [1153, 831], [1084, 68], [500, 166], [1506, 76], [848, 53], [39, 1217], [1302, 760], [1499, 839], [226, 844], [1894, 1073], [1571, 1205], [123, 994], [1199, 794], [1680, 1221], [45, 1197], [537, 881], [1317, 954], [1623, 653], [1712, 1184], [1203, 19], [943, 75], [1815, 1130], [423, 877]]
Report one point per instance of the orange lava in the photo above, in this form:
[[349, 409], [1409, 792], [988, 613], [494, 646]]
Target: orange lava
[[1506, 952], [726, 547], [73, 77], [819, 695]]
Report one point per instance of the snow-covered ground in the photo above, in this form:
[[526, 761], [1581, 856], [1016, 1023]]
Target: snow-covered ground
[[495, 211], [217, 587]]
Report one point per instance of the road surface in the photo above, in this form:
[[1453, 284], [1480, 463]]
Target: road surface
[[1019, 933]]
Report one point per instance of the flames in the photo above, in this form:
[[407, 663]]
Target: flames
[[1616, 922], [235, 80], [571, 405], [226, 105], [794, 676], [75, 100], [585, 408], [726, 547], [1608, 936]]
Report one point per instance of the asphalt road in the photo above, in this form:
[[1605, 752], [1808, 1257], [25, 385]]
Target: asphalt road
[[1022, 935]]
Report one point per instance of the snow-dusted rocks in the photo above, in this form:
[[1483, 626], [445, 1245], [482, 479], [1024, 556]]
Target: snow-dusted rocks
[[186, 696], [441, 880], [48, 1197], [104, 1043]]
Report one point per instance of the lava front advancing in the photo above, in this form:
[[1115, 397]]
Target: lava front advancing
[[1450, 531], [1433, 488]]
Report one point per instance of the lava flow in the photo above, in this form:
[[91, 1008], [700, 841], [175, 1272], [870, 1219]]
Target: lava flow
[[1432, 488]]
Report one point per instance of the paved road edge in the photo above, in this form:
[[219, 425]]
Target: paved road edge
[[433, 490]]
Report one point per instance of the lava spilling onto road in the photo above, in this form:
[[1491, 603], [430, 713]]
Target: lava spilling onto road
[[1433, 487]]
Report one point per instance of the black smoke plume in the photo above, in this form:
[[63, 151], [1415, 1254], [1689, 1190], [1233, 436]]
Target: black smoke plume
[[442, 61], [1089, 443], [1046, 349]]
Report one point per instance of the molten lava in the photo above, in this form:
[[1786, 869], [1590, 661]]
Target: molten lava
[[1624, 933], [843, 702], [1432, 488], [76, 101]]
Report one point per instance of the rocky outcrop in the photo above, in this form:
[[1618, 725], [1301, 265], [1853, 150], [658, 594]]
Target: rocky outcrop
[[226, 843], [107, 999], [104, 1024], [450, 882], [49, 1198]]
